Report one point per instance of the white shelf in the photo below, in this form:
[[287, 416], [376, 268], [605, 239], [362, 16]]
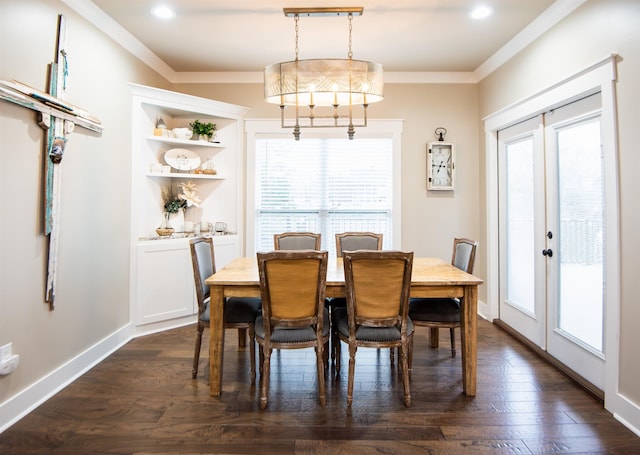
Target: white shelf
[[187, 142], [177, 175]]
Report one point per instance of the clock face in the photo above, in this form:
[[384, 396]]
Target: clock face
[[441, 166]]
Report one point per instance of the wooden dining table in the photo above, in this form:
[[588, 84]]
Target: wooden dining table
[[431, 277]]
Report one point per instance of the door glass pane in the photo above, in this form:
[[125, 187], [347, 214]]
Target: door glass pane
[[581, 205], [520, 210]]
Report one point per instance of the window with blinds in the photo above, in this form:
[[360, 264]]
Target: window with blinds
[[325, 185]]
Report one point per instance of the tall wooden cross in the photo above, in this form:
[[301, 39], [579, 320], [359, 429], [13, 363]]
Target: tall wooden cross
[[58, 118], [53, 158]]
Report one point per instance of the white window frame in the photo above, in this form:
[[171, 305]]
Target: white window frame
[[271, 128]]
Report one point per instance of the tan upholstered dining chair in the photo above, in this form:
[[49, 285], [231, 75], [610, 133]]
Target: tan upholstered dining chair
[[376, 316], [239, 312], [293, 310]]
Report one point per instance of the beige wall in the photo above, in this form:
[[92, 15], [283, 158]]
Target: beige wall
[[93, 268], [597, 29]]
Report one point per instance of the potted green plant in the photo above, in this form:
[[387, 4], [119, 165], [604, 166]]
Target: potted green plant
[[201, 129]]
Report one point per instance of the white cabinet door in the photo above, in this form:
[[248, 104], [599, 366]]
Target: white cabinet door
[[226, 248], [164, 283], [164, 277]]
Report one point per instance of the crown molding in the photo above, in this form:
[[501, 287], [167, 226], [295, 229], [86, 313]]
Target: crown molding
[[550, 17], [390, 77], [119, 34]]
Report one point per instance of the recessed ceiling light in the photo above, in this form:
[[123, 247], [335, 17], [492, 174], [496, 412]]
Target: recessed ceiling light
[[163, 12], [481, 12]]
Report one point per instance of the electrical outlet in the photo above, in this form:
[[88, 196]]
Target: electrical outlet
[[9, 365], [6, 351]]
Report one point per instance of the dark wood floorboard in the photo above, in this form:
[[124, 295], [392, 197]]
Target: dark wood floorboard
[[142, 400]]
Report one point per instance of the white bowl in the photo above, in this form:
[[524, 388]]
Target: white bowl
[[182, 133]]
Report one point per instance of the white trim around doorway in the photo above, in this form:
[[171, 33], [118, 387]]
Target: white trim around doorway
[[599, 77]]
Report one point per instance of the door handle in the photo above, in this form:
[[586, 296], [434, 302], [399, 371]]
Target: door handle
[[547, 252]]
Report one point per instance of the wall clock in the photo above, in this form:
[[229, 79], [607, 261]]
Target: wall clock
[[440, 165]]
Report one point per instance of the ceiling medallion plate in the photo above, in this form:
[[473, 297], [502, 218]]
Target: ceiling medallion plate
[[328, 11]]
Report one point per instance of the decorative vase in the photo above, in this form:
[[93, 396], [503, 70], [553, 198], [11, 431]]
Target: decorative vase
[[177, 220], [165, 229]]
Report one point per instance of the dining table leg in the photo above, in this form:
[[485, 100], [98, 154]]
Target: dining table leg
[[469, 337], [216, 339]]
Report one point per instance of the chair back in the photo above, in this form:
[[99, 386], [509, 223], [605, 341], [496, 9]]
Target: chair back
[[292, 285], [377, 287], [352, 241], [204, 265], [297, 241], [464, 254]]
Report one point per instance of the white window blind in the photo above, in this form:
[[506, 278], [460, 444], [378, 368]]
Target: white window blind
[[325, 185]]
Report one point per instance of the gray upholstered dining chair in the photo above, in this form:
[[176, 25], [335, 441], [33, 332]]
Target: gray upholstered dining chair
[[352, 241], [376, 316], [437, 313], [297, 241], [239, 312], [293, 311]]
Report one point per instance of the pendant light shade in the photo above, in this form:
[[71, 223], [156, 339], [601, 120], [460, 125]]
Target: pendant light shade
[[323, 82], [337, 85]]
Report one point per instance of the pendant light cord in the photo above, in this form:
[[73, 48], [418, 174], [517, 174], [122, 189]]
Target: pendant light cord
[[297, 19], [350, 54]]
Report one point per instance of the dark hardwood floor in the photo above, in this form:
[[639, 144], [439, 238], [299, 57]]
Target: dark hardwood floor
[[142, 400]]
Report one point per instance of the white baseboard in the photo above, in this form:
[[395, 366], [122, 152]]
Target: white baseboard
[[37, 393], [625, 411], [18, 406], [161, 326], [484, 311]]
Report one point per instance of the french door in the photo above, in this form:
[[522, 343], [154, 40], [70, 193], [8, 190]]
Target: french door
[[552, 231]]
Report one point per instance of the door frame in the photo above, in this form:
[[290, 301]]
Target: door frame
[[599, 77]]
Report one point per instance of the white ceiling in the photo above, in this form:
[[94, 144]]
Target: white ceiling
[[211, 37]]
